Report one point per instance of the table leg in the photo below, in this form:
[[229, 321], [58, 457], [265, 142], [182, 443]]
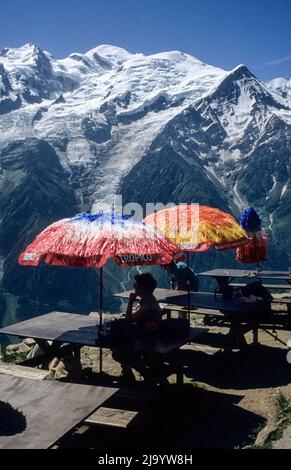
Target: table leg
[[56, 347], [52, 350], [180, 377], [48, 351], [289, 315], [45, 346], [236, 333], [100, 360], [77, 355], [223, 281], [255, 335]]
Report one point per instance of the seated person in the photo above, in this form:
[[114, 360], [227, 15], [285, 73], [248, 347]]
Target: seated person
[[147, 316], [182, 276]]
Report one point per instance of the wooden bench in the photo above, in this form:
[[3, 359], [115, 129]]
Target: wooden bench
[[280, 320], [211, 317], [197, 311], [267, 286], [23, 371], [201, 348], [164, 354], [112, 417], [282, 300], [125, 409]]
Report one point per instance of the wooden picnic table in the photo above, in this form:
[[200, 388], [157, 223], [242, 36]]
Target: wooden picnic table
[[68, 332], [251, 274], [198, 300], [77, 330], [281, 280], [56, 326], [57, 333], [248, 314], [50, 409]]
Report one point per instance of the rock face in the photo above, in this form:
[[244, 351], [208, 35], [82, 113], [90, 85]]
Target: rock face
[[160, 128], [8, 100], [35, 191]]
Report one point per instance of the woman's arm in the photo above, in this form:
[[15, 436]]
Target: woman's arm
[[128, 313], [141, 314]]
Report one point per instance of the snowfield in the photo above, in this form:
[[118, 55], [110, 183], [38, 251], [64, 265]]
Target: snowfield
[[109, 106]]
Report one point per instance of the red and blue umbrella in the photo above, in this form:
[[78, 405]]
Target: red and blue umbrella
[[89, 240]]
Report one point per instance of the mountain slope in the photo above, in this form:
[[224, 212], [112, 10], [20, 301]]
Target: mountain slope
[[159, 128], [282, 86]]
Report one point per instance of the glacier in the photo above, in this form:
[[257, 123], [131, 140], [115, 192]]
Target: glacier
[[166, 127]]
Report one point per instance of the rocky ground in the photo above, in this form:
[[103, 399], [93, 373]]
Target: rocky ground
[[229, 399]]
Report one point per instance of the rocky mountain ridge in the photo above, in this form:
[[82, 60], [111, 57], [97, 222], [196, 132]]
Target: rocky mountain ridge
[[161, 128]]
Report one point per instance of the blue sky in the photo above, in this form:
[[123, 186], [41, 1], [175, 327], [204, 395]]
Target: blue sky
[[224, 33]]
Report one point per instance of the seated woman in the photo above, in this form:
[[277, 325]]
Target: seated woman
[[147, 317], [148, 314]]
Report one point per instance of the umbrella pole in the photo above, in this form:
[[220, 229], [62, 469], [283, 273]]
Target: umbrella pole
[[101, 293], [256, 251], [188, 285], [100, 317]]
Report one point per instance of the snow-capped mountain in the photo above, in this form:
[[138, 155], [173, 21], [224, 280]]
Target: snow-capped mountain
[[282, 86], [106, 102], [159, 128]]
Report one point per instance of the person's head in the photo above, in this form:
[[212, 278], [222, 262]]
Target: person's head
[[169, 267], [145, 284]]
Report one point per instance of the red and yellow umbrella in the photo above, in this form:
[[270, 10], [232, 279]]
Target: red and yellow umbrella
[[197, 228]]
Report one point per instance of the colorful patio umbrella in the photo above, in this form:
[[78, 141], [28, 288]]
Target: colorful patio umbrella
[[89, 240], [256, 248], [197, 228]]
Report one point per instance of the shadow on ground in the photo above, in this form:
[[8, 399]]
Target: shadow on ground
[[180, 417], [257, 367], [191, 417], [12, 421]]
